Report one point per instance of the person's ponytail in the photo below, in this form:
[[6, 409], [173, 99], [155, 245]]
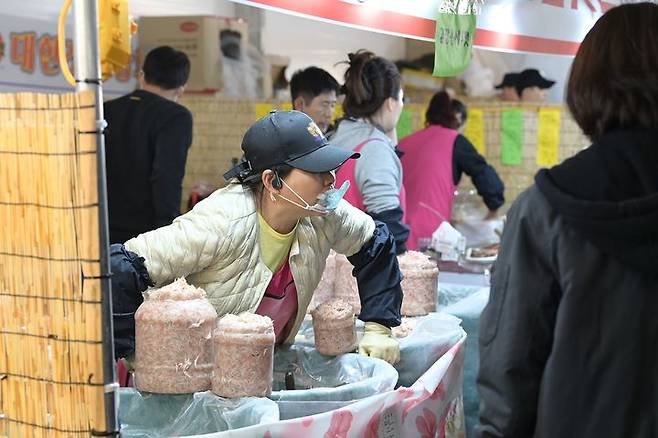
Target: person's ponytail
[[369, 81]]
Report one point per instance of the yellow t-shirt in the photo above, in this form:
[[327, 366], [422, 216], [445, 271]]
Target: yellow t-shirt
[[274, 246]]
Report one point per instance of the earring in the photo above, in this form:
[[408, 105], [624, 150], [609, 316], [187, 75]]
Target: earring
[[272, 198]]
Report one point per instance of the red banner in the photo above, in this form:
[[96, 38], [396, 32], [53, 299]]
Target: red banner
[[534, 26]]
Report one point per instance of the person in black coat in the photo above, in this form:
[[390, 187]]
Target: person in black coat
[[146, 142], [568, 338]]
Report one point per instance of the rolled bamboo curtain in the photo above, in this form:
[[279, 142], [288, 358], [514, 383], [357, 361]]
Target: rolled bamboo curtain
[[51, 358]]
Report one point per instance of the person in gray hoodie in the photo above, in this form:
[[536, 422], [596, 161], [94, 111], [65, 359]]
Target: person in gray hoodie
[[372, 106]]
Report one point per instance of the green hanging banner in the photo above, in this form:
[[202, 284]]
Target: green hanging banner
[[405, 126], [511, 138], [453, 40]]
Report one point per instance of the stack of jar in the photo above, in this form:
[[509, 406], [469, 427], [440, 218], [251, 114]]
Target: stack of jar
[[420, 283], [334, 327], [180, 348], [244, 356], [325, 290], [346, 287], [173, 330]]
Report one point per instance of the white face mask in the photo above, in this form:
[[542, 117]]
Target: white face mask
[[327, 201]]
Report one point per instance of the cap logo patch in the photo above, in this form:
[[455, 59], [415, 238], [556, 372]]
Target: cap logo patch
[[314, 130]]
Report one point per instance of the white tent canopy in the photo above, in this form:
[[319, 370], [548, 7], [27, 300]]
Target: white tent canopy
[[329, 39], [48, 10]]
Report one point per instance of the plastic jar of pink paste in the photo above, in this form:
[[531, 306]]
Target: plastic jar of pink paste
[[419, 285], [173, 331], [325, 290], [334, 328], [243, 356], [346, 287]]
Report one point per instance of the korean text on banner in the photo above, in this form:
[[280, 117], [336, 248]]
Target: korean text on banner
[[474, 129], [511, 137], [548, 137]]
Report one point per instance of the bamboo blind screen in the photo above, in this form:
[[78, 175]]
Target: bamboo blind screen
[[51, 359]]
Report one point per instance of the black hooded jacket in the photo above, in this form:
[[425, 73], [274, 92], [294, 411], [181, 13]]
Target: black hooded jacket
[[569, 338]]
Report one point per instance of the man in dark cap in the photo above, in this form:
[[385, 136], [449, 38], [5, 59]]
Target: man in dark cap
[[508, 88], [531, 86]]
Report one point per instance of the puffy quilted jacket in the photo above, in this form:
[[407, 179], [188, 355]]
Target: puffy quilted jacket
[[216, 247]]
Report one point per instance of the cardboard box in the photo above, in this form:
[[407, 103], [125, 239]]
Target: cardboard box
[[278, 65], [199, 38]]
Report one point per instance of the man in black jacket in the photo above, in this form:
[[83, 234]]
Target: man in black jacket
[[146, 143], [568, 339]]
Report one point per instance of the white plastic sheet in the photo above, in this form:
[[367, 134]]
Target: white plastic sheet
[[467, 303], [433, 335], [325, 383], [432, 407], [145, 415]]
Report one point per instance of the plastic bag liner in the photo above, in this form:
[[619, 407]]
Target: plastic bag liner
[[324, 383], [467, 304], [479, 232], [453, 293], [147, 415], [432, 337]]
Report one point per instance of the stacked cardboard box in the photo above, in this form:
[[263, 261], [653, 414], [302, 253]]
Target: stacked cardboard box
[[199, 38]]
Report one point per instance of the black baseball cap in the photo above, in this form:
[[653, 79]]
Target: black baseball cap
[[291, 138], [532, 78], [509, 80]]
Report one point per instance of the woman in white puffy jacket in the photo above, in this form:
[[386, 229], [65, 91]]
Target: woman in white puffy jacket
[[260, 244]]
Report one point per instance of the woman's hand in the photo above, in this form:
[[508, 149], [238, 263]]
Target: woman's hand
[[378, 342]]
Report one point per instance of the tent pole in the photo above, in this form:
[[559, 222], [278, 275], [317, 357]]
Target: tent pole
[[88, 77]]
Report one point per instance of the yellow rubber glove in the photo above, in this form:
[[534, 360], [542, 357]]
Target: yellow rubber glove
[[378, 342]]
